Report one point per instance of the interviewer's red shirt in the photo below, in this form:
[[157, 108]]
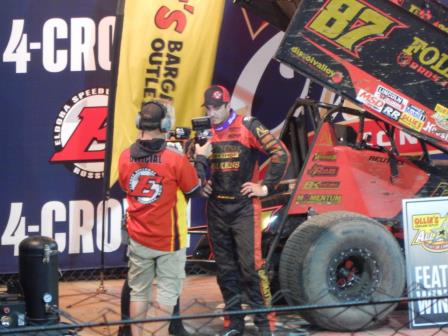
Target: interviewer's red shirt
[[151, 185]]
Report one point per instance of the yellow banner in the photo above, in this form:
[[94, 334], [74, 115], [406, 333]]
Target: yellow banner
[[167, 50]]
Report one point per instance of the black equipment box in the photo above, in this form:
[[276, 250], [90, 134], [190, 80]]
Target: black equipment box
[[12, 311]]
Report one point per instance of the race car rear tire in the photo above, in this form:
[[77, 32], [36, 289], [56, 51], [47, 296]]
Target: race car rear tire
[[341, 257]]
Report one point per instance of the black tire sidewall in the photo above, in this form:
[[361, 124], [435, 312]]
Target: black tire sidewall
[[346, 235], [306, 258]]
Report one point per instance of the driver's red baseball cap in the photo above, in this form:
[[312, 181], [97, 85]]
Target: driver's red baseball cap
[[216, 95]]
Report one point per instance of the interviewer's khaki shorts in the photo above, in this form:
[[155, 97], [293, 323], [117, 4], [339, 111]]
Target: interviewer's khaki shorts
[[167, 267]]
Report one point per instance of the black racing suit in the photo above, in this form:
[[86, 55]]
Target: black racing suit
[[234, 221]]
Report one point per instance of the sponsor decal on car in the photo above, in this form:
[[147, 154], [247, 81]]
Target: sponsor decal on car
[[370, 100], [416, 112], [441, 116], [391, 112], [381, 159], [436, 130], [325, 156], [391, 98], [319, 199], [427, 60], [310, 60], [314, 185], [319, 170], [411, 122]]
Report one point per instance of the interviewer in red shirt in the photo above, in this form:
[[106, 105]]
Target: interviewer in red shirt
[[151, 173]]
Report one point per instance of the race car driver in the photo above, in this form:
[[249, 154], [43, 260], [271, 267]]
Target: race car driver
[[234, 207]]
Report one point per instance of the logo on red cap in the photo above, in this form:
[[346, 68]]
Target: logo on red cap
[[217, 95]]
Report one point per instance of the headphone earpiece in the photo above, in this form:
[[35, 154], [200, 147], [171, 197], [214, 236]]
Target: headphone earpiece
[[164, 125], [137, 121], [165, 122]]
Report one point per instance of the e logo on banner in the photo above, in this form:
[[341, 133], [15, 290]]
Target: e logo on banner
[[79, 133]]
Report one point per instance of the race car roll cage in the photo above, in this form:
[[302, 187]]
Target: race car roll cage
[[307, 114]]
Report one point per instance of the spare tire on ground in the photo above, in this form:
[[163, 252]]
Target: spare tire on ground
[[341, 257]]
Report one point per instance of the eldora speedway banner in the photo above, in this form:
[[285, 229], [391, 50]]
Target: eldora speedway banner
[[55, 70], [375, 53], [167, 51]]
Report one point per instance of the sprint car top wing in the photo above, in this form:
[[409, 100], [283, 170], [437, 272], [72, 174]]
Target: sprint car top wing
[[378, 54]]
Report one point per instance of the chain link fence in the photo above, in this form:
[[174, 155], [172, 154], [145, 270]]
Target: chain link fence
[[108, 273], [207, 317]]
